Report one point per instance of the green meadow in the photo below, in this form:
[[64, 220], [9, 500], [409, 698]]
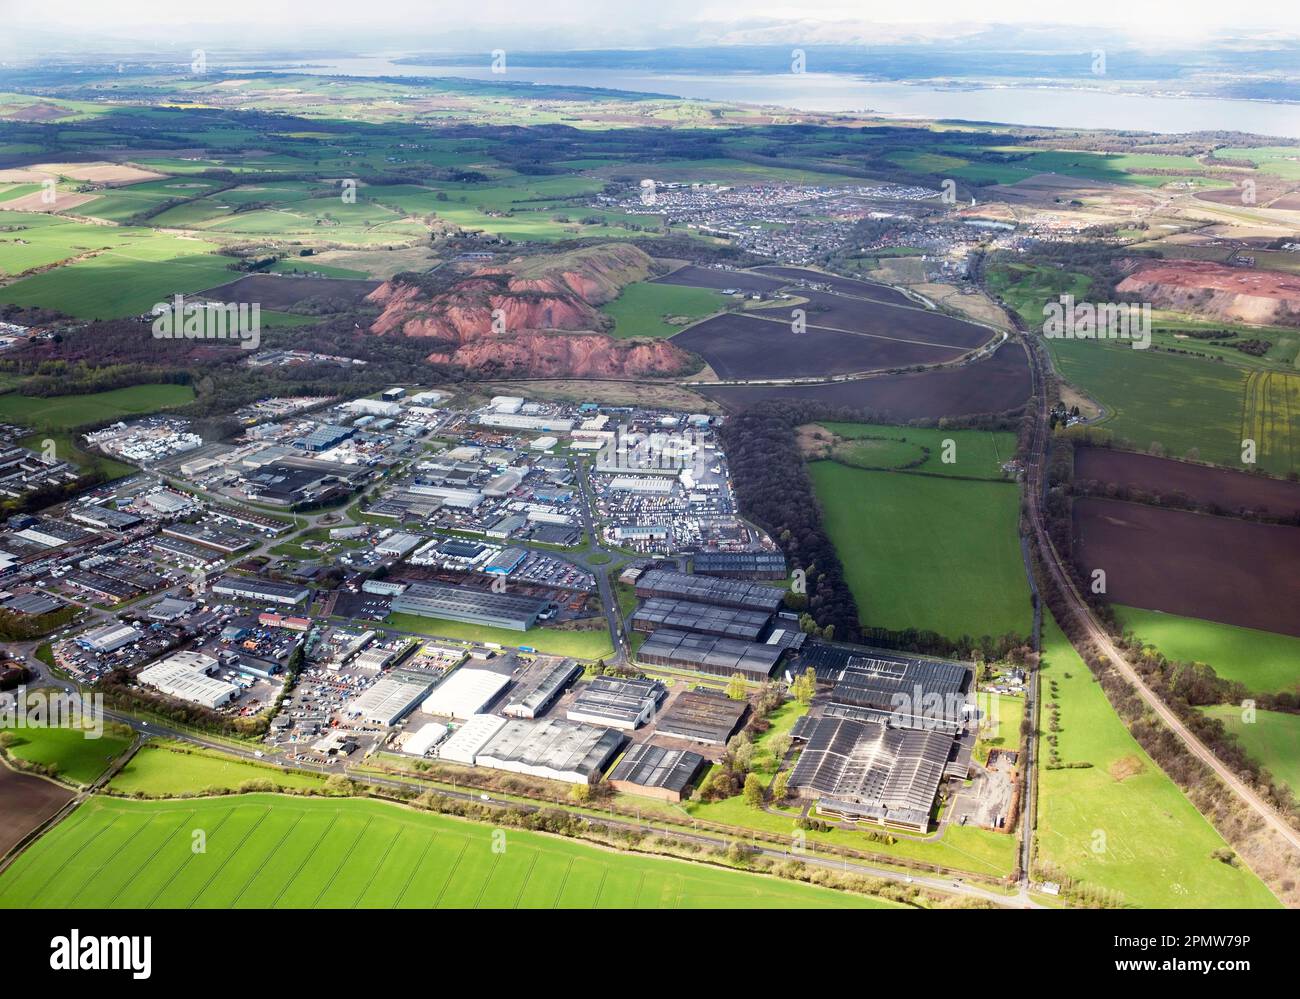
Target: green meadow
[[65, 412], [1271, 737], [167, 769], [648, 309], [270, 851], [1262, 660], [1115, 821], [975, 453], [124, 280], [73, 756], [926, 552]]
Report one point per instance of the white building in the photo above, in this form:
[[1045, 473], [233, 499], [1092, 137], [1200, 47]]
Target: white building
[[389, 699], [419, 742], [185, 675], [464, 693], [465, 743]]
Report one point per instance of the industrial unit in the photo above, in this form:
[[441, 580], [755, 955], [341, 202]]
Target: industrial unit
[[249, 588], [708, 718], [540, 688], [465, 693], [185, 675], [755, 661], [553, 749], [656, 771], [863, 770], [707, 619], [617, 702], [391, 698], [709, 590], [499, 610], [740, 565]]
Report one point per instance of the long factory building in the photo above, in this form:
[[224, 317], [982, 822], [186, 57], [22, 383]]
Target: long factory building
[[741, 594], [499, 610]]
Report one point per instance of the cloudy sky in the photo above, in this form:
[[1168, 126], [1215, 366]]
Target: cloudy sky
[[70, 25]]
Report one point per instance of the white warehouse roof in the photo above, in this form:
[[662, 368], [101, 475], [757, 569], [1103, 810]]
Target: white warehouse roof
[[464, 745], [465, 692]]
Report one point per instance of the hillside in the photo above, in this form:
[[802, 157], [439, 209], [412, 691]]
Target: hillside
[[550, 321]]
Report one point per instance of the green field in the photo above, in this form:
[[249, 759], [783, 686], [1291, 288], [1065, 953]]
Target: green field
[[1180, 403], [975, 453], [74, 757], [1001, 728], [1265, 662], [925, 552], [269, 851], [1175, 402], [64, 412], [125, 280], [1121, 824], [161, 770], [1272, 738], [645, 308], [594, 644]]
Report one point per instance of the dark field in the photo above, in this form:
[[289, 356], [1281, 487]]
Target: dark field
[[994, 385], [1192, 564], [285, 292], [738, 346], [711, 277], [25, 802], [857, 315], [843, 285], [1222, 487]]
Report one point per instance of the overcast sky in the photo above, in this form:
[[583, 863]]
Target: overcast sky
[[576, 24]]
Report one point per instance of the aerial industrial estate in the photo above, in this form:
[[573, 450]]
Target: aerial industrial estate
[[434, 482]]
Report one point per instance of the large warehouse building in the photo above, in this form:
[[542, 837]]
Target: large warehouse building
[[707, 619], [391, 698], [268, 590], [755, 661], [465, 693], [540, 687], [863, 770], [707, 718], [556, 750], [673, 585], [740, 565], [185, 675], [498, 610], [470, 738], [905, 693], [109, 638], [656, 772], [616, 702]]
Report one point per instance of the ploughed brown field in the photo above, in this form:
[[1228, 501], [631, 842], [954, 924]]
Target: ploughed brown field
[[842, 285], [1192, 564], [25, 802], [740, 346], [992, 385], [857, 315], [1229, 490], [273, 292], [712, 277]]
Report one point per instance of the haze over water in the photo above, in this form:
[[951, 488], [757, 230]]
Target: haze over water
[[1056, 107]]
